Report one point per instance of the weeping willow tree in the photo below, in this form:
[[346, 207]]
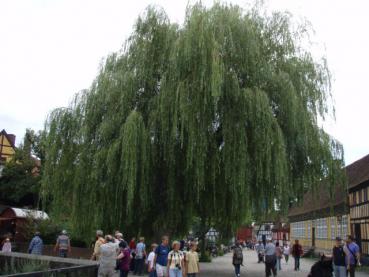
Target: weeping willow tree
[[216, 118]]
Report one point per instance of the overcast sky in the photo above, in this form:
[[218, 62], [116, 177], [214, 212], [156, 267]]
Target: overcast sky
[[51, 49]]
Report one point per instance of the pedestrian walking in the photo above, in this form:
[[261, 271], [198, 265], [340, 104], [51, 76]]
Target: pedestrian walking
[[175, 263], [161, 257], [270, 259], [339, 259], [192, 261], [279, 255], [132, 247], [7, 246], [352, 252], [286, 252], [140, 257], [237, 259], [150, 261], [259, 248], [124, 259], [62, 245], [99, 241], [36, 245], [297, 253], [107, 258]]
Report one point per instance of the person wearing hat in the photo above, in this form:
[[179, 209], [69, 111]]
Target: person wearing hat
[[62, 245], [36, 245], [339, 259]]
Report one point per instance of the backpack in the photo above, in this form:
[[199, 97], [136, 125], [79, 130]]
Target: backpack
[[322, 268], [237, 256]]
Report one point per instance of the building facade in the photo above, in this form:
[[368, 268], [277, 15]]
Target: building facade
[[320, 233], [13, 222], [7, 148], [263, 231], [321, 219], [359, 204]]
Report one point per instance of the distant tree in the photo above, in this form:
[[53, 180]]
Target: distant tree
[[21, 177], [215, 119]]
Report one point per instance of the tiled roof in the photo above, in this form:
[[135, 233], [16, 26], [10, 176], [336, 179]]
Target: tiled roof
[[319, 200], [357, 173]]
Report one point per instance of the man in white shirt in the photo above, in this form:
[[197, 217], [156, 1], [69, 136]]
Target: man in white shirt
[[108, 257]]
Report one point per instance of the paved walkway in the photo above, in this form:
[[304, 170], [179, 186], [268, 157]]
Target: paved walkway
[[222, 267]]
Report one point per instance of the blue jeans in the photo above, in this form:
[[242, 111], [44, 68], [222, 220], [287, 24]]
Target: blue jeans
[[237, 269], [63, 253], [153, 274], [297, 263], [340, 271], [279, 263], [175, 272]]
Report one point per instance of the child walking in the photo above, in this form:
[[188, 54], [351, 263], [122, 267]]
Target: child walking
[[192, 261], [150, 261]]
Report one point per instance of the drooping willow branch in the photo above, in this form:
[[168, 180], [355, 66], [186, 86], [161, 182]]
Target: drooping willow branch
[[216, 118]]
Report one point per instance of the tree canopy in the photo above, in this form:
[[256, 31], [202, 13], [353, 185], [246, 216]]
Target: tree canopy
[[216, 118], [20, 179]]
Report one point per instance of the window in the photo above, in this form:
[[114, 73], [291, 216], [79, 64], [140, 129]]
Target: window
[[344, 227], [333, 227], [298, 229], [321, 228], [309, 230], [365, 191]]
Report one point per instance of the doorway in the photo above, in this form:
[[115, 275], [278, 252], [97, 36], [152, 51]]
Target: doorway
[[313, 237], [358, 234]]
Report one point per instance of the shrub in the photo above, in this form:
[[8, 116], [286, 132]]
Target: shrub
[[220, 252], [205, 257]]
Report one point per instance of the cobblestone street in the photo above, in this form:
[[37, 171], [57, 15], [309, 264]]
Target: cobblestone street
[[222, 267]]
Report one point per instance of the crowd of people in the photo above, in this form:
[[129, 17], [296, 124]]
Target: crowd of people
[[272, 255], [342, 261], [115, 254]]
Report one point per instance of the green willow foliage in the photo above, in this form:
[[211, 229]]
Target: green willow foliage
[[216, 119]]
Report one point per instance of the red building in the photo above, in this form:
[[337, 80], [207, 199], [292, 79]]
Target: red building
[[244, 233], [281, 233], [12, 221]]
